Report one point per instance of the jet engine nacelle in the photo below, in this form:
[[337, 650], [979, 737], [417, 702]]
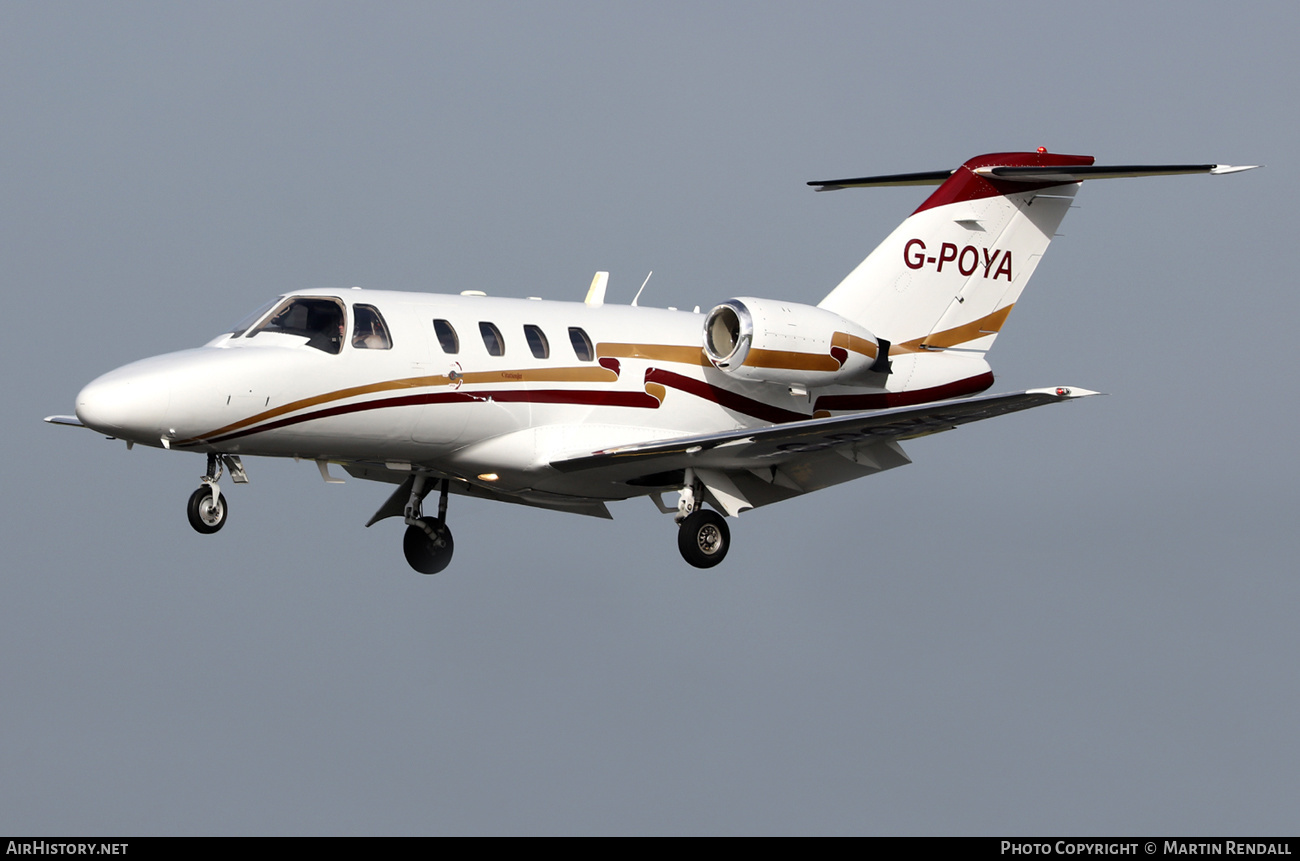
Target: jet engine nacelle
[[784, 342]]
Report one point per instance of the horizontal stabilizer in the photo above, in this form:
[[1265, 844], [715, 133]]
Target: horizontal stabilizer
[[932, 177], [69, 421], [1031, 174], [1102, 171]]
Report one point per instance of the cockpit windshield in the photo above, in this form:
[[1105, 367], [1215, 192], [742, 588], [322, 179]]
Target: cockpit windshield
[[320, 321], [242, 326]]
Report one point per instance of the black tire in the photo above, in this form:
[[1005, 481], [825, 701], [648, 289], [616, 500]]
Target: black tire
[[205, 517], [426, 555], [704, 539]]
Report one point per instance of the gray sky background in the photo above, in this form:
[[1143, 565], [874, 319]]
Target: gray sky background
[[1078, 620]]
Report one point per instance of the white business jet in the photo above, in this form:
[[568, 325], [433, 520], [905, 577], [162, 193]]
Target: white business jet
[[572, 405]]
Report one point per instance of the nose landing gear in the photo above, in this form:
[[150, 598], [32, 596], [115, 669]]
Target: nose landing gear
[[207, 508]]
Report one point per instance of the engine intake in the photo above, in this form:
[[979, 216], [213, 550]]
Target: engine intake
[[784, 342]]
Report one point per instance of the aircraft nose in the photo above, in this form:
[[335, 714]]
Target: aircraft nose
[[125, 403]]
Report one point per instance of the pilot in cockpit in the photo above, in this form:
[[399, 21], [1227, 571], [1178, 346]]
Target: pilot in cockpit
[[325, 323]]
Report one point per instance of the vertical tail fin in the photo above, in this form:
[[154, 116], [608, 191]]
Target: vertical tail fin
[[949, 275]]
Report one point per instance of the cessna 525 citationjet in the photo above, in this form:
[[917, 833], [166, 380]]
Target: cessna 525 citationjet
[[572, 405]]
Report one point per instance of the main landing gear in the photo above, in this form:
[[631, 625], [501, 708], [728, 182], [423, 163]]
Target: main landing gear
[[703, 537], [428, 544], [207, 509]]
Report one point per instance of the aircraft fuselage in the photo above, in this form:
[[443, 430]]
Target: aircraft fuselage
[[506, 403]]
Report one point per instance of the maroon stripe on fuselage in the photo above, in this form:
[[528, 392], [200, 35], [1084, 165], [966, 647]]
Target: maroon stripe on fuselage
[[722, 397], [640, 400], [382, 403], [884, 400]]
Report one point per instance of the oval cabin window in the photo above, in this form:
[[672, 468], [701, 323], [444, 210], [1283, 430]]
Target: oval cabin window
[[537, 341], [496, 345], [446, 337]]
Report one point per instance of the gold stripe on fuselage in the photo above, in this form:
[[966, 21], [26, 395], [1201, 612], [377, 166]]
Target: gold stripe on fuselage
[[990, 324], [593, 374], [788, 360], [653, 352], [854, 343]]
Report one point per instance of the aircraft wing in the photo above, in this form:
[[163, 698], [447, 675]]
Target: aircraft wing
[[67, 421], [757, 446], [748, 467]]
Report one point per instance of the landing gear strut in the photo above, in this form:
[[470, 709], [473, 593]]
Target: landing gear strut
[[428, 544], [208, 508], [702, 535]]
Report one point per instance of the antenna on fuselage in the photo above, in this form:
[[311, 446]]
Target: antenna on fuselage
[[596, 293], [643, 283]]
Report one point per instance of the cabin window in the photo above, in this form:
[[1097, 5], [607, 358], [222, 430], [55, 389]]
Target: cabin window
[[581, 344], [320, 321], [537, 341], [496, 345], [368, 329], [447, 337]]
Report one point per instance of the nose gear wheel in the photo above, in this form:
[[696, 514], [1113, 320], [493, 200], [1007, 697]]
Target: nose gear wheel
[[206, 510]]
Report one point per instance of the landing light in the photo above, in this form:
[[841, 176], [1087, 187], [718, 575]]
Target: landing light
[[488, 476]]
